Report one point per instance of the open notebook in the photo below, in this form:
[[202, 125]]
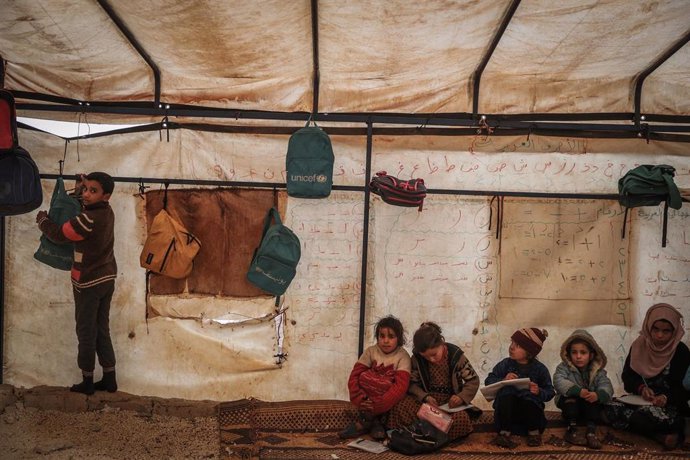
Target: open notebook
[[490, 391]]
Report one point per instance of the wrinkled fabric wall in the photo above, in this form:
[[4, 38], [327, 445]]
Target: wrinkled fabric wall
[[570, 56], [443, 264]]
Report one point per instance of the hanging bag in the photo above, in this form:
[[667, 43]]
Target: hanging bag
[[20, 181], [649, 185], [309, 163], [169, 249], [62, 208], [274, 263], [8, 123], [409, 193]]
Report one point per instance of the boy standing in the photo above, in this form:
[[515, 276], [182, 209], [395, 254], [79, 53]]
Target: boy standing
[[93, 277]]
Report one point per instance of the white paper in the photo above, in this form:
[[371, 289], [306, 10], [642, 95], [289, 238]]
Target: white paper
[[634, 400], [490, 391], [369, 446], [450, 410]]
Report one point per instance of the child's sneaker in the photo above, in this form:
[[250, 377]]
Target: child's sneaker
[[534, 440], [377, 432], [573, 436], [354, 430], [592, 441], [504, 441]]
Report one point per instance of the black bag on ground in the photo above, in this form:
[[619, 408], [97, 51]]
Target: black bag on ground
[[421, 437], [649, 185], [409, 193], [309, 163]]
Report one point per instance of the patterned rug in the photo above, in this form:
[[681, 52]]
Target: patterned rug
[[253, 429]]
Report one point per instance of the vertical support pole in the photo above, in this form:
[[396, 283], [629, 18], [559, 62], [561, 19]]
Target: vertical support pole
[[365, 240], [2, 297]]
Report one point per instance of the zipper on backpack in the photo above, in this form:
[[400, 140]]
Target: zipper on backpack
[[167, 253]]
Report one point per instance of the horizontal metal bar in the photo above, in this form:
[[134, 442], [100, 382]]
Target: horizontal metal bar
[[401, 131], [147, 108], [350, 188]]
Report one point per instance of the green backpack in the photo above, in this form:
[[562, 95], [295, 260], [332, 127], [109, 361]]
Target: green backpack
[[649, 185], [309, 163], [275, 261], [62, 208]]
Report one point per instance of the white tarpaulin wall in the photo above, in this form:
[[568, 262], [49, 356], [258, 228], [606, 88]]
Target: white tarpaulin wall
[[441, 264], [560, 264]]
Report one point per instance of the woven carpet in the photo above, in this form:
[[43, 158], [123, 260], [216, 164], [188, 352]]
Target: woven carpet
[[253, 429]]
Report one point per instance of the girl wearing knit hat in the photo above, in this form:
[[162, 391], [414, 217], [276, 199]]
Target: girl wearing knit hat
[[654, 369], [582, 386], [521, 411]]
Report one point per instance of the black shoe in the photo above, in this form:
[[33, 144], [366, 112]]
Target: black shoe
[[107, 383], [85, 387], [592, 441], [377, 432], [354, 430], [504, 441], [534, 440], [574, 437]]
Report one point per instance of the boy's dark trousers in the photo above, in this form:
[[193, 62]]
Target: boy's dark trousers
[[513, 409], [577, 410], [92, 316]]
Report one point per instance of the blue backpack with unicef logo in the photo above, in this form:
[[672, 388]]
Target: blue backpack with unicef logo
[[309, 163]]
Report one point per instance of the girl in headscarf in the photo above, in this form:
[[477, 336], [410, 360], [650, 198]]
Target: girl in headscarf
[[654, 369]]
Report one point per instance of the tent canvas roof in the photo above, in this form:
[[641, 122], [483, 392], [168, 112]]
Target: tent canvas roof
[[566, 57]]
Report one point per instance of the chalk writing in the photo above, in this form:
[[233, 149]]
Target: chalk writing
[[563, 249]]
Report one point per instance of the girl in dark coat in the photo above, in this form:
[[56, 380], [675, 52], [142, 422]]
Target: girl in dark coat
[[654, 369]]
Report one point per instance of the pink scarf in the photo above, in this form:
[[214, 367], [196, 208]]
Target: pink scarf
[[647, 359]]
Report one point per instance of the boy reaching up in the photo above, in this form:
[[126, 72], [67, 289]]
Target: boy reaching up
[[93, 277]]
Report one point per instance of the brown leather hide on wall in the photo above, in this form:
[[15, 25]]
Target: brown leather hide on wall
[[228, 222]]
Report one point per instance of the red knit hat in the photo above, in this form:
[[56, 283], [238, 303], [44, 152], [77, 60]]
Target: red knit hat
[[531, 339]]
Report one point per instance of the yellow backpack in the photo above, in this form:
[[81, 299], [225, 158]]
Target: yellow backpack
[[169, 248]]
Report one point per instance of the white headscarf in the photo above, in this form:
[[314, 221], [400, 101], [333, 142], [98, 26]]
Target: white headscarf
[[647, 359]]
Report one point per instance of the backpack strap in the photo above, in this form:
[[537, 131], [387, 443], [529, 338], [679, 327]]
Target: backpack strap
[[674, 199], [625, 221], [272, 213], [664, 226]]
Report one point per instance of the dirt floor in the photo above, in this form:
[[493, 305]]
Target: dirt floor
[[51, 423]]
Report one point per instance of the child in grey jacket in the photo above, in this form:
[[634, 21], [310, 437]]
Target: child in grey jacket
[[582, 386]]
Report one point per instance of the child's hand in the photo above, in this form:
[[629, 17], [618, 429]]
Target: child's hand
[[41, 215], [647, 394], [660, 401], [533, 388], [511, 376], [367, 405], [591, 397], [431, 400], [79, 184], [454, 401]]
